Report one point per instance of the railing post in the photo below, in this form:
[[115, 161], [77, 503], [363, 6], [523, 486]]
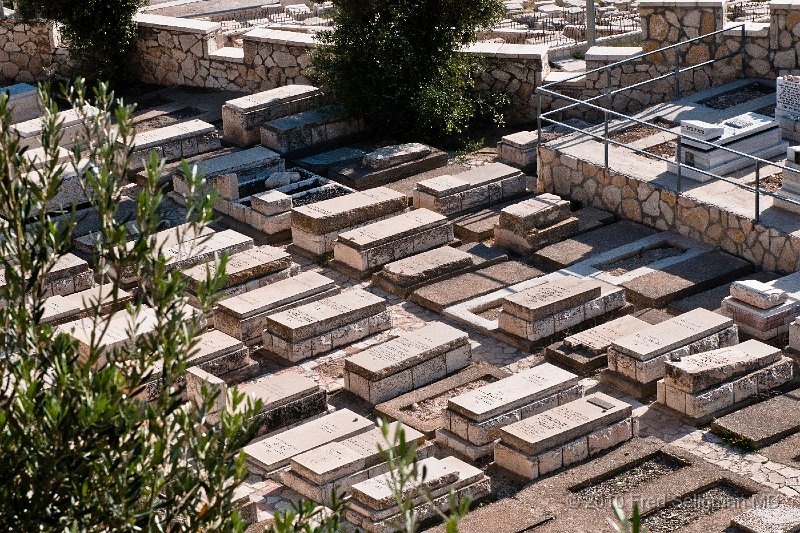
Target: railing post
[[591, 32], [742, 51], [605, 115], [539, 118], [758, 190], [677, 72], [679, 156]]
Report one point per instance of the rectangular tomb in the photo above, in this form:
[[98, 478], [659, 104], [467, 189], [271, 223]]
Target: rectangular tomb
[[316, 227], [372, 246], [555, 305], [244, 316], [750, 133], [639, 358], [787, 108], [178, 141], [59, 309], [269, 454], [243, 117], [586, 351], [340, 465], [319, 327], [705, 385], [473, 420], [388, 164], [374, 509], [764, 310], [407, 362], [244, 271], [488, 184], [309, 131], [535, 223], [564, 435]]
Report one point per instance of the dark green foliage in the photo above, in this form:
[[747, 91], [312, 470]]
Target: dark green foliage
[[98, 33], [395, 62], [81, 449]]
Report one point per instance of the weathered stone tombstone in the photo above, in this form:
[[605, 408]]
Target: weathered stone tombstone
[[308, 131], [764, 310], [790, 181], [535, 223], [374, 508], [244, 316], [705, 385], [178, 141], [388, 164], [563, 435], [473, 420], [324, 325], [407, 362], [23, 99], [636, 362], [272, 453], [362, 250]]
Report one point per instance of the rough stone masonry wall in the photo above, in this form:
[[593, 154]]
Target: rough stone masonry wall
[[631, 199], [27, 52]]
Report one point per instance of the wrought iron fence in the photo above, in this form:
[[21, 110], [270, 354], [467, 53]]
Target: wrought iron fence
[[267, 18], [601, 132], [568, 26], [747, 10]]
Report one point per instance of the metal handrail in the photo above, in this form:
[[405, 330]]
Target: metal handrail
[[608, 111]]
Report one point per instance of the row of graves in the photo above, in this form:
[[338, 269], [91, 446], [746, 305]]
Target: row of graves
[[583, 292]]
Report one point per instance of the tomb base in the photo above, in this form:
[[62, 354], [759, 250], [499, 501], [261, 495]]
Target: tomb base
[[463, 447], [292, 412], [583, 361], [533, 466], [699, 409], [630, 387]]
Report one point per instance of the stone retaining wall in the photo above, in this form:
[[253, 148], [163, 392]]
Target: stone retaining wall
[[632, 199], [27, 52]]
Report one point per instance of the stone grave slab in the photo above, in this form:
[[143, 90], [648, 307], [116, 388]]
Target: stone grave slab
[[706, 385], [407, 275], [790, 182], [639, 358], [373, 510], [244, 316], [779, 519], [339, 465], [316, 227], [473, 420], [421, 408], [322, 162], [593, 243], [712, 298], [765, 324], [30, 131], [223, 356], [585, 351], [271, 453], [178, 141], [23, 100], [59, 309], [488, 184], [440, 295], [245, 271], [407, 362], [534, 223], [370, 247], [388, 164], [484, 313], [564, 435], [764, 423], [784, 451], [308, 131], [750, 133], [288, 398], [659, 288], [242, 117], [324, 325], [519, 150], [576, 499]]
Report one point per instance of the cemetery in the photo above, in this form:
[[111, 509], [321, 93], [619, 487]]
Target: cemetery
[[600, 302]]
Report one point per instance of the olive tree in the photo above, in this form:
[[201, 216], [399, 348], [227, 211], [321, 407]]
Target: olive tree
[[80, 448]]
